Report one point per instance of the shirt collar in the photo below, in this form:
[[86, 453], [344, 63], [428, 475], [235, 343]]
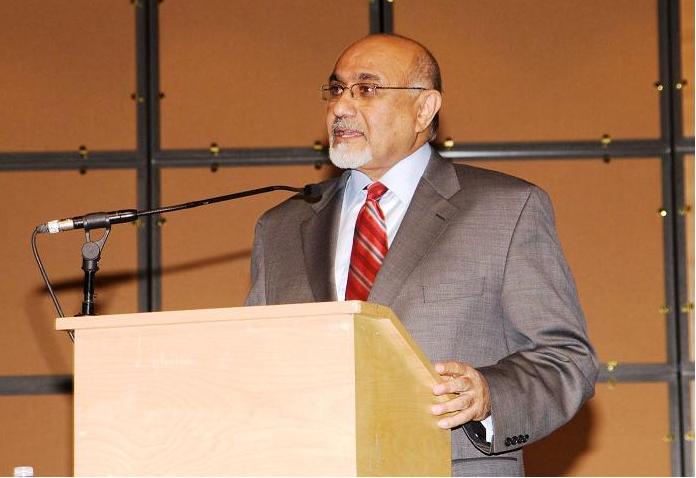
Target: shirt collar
[[401, 179]]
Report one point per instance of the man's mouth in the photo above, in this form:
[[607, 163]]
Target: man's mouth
[[344, 130], [346, 133]]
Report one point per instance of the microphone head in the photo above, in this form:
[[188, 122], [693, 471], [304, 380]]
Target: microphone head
[[312, 192]]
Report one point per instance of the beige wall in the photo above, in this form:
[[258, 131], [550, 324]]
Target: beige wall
[[246, 75]]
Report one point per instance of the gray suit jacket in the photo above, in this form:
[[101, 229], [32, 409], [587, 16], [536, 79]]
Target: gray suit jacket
[[476, 274]]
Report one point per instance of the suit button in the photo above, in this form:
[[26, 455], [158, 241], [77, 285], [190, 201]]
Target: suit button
[[521, 439], [526, 437], [514, 440], [508, 442]]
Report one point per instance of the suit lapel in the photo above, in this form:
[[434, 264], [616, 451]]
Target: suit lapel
[[319, 234], [425, 219]]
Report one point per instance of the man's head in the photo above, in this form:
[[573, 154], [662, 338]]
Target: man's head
[[372, 133]]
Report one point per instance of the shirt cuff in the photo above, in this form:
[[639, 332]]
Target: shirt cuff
[[488, 424]]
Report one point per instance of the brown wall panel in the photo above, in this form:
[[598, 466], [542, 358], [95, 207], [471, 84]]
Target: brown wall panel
[[67, 70], [36, 431], [206, 252], [612, 236], [690, 201], [687, 66], [30, 198], [620, 432], [541, 69], [690, 426], [247, 74]]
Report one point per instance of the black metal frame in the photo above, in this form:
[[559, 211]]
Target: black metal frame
[[36, 384], [144, 131], [675, 234], [148, 160]]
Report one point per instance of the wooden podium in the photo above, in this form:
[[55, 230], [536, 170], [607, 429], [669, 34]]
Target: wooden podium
[[334, 388]]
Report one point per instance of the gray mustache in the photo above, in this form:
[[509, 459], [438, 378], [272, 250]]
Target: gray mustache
[[343, 124]]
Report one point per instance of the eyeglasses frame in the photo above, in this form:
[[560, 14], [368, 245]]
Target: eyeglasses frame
[[326, 87]]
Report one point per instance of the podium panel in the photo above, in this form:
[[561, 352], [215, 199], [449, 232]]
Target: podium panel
[[306, 389]]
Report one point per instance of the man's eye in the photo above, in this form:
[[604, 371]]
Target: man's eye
[[367, 89], [336, 90]]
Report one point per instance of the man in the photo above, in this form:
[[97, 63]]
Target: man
[[468, 259]]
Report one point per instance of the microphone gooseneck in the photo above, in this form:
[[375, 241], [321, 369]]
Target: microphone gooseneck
[[98, 220], [91, 249]]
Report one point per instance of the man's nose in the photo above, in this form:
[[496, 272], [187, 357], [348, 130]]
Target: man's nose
[[343, 106]]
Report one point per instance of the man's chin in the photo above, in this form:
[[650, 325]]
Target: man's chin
[[344, 158]]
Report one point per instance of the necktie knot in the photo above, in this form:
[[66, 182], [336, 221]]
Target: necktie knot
[[375, 191]]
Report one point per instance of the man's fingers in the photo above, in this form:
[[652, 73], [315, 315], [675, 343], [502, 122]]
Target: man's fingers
[[472, 399], [451, 368], [455, 385], [460, 418], [456, 404]]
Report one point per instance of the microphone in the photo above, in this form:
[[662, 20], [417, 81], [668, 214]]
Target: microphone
[[312, 192], [96, 220], [93, 220]]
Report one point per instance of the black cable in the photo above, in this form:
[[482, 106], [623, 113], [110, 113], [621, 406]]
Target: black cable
[[44, 275]]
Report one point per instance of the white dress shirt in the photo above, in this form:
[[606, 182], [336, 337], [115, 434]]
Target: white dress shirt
[[401, 181]]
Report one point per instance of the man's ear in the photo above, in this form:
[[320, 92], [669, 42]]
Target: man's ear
[[427, 106]]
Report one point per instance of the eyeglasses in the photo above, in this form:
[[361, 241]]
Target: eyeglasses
[[360, 91]]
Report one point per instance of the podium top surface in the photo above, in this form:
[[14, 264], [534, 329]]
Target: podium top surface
[[224, 314], [252, 313]]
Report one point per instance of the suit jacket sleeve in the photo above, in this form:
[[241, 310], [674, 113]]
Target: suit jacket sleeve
[[257, 293], [552, 368]]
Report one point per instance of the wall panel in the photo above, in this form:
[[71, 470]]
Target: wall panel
[[206, 252], [33, 346], [67, 74], [541, 69], [689, 431], [620, 432], [687, 64], [36, 431], [690, 204], [608, 224], [247, 74]]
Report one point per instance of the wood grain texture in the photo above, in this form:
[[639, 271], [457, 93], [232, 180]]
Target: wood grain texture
[[204, 399], [247, 391], [222, 314], [397, 434]]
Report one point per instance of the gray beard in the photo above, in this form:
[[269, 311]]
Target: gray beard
[[343, 158]]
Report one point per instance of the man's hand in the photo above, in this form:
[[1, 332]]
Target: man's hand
[[472, 402]]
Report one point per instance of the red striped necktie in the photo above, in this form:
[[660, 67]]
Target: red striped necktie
[[369, 245]]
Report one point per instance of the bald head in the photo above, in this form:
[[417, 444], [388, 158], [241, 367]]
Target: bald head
[[423, 69]]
